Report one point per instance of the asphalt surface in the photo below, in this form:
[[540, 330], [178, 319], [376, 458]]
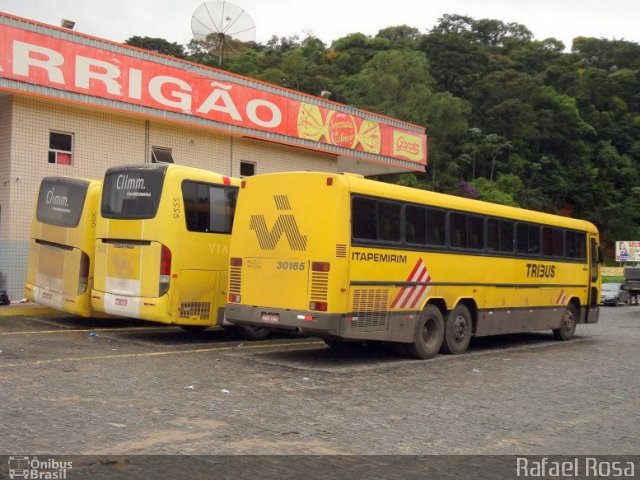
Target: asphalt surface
[[72, 386]]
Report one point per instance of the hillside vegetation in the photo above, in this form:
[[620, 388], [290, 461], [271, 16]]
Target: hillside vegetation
[[510, 119]]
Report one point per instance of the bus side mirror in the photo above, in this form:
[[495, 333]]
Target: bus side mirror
[[600, 254]]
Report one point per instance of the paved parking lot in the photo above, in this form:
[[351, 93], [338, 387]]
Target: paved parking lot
[[76, 386]]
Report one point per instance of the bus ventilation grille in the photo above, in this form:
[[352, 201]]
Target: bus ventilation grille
[[341, 250], [319, 285], [370, 309], [235, 279], [195, 309]]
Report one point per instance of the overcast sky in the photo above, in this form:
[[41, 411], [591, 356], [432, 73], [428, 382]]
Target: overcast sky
[[118, 20]]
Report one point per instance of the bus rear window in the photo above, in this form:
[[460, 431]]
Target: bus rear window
[[132, 193], [60, 201]]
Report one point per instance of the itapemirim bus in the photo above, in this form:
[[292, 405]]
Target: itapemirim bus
[[62, 243], [347, 258], [162, 244]]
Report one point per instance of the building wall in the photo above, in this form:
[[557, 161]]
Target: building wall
[[102, 139], [5, 186]]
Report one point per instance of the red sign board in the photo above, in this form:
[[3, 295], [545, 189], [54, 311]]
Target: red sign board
[[43, 60]]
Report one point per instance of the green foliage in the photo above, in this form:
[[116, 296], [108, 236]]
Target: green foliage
[[510, 119], [157, 45]]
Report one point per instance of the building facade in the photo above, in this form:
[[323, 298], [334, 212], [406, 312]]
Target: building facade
[[74, 105]]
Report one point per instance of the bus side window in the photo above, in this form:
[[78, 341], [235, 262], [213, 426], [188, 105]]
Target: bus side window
[[388, 221], [457, 230], [364, 218], [415, 225], [436, 227], [220, 209]]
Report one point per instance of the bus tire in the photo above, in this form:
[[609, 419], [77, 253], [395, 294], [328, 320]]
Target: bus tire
[[193, 328], [457, 330], [255, 333], [568, 325], [428, 334]]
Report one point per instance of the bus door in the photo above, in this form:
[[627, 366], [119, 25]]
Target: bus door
[[593, 309]]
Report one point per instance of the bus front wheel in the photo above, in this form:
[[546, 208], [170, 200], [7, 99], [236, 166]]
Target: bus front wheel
[[428, 335], [457, 330], [568, 325]]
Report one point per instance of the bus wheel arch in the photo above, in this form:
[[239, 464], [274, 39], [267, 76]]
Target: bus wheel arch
[[429, 333], [459, 326], [570, 319]]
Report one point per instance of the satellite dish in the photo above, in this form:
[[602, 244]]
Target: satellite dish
[[217, 24]]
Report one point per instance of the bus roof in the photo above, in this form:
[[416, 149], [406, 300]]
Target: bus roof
[[360, 185], [173, 168]]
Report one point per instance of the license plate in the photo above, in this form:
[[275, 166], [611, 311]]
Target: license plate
[[122, 302], [270, 317]]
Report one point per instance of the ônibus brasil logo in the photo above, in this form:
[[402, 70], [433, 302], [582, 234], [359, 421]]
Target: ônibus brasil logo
[[34, 468]]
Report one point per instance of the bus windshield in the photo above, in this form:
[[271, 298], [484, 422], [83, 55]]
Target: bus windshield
[[133, 193], [61, 200]]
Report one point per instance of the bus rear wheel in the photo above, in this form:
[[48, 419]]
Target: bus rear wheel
[[568, 325], [457, 330], [428, 335], [255, 333]]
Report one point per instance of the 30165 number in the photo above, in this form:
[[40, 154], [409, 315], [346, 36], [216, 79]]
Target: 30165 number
[[295, 266]]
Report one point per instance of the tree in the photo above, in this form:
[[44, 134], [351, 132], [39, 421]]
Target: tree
[[157, 45], [395, 83]]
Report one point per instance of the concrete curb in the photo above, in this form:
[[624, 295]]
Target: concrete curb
[[25, 309]]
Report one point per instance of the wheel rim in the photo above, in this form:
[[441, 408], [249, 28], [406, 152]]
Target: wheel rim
[[460, 328], [429, 331]]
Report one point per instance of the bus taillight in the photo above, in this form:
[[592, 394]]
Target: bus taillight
[[318, 306], [165, 270], [320, 266], [83, 275], [234, 298]]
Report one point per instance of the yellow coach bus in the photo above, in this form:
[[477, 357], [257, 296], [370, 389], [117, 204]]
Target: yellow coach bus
[[162, 244], [347, 258], [62, 244]]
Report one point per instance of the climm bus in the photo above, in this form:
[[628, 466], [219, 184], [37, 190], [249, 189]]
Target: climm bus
[[162, 244], [347, 258], [62, 243]]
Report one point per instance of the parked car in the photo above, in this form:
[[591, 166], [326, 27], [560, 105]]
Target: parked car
[[614, 294], [4, 298]]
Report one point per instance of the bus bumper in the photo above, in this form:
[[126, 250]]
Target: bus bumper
[[400, 326], [76, 305], [143, 308], [321, 324]]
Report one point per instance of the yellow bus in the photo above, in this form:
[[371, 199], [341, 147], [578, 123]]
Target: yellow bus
[[162, 244], [347, 258], [62, 243]]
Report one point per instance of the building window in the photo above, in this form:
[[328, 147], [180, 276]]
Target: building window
[[247, 169], [161, 155], [60, 148]]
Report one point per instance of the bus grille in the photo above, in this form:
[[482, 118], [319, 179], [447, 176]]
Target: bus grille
[[235, 278], [319, 285], [341, 250], [370, 309], [195, 309]]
